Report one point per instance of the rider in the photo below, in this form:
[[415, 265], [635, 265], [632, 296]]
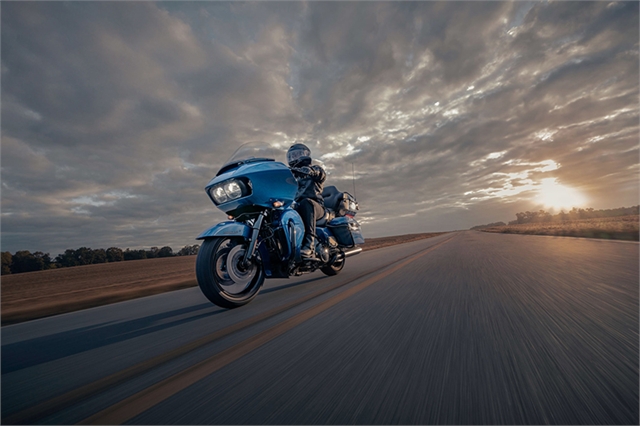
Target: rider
[[310, 203]]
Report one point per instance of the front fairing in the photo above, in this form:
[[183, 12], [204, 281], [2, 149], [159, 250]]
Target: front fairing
[[268, 181]]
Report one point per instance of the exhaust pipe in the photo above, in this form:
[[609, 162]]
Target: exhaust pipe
[[353, 252], [341, 256]]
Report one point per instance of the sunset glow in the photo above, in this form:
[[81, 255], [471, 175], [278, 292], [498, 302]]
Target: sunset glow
[[556, 196]]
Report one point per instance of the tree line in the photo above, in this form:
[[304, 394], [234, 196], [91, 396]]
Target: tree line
[[25, 261], [573, 214], [542, 216]]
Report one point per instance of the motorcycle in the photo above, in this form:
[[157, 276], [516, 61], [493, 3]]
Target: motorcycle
[[264, 233]]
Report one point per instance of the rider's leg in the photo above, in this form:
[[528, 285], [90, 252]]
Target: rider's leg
[[310, 211]]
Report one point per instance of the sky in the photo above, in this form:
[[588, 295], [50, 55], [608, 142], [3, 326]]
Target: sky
[[115, 115]]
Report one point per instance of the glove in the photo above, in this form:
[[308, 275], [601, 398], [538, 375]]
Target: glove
[[307, 171], [315, 172], [301, 171]]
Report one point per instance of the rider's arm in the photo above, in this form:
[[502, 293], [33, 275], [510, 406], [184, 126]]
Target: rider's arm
[[316, 172]]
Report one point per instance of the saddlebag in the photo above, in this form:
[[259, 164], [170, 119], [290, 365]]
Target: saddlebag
[[346, 230]]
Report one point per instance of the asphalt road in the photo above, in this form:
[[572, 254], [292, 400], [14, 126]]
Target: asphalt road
[[464, 328]]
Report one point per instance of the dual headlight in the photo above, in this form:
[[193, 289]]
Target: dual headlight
[[229, 190]]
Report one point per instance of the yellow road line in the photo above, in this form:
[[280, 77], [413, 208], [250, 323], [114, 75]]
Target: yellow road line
[[147, 398]]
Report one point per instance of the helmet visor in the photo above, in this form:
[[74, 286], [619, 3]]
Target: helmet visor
[[293, 155]]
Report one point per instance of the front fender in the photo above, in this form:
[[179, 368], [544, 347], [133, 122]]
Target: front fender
[[227, 229]]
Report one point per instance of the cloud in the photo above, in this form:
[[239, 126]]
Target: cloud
[[115, 115]]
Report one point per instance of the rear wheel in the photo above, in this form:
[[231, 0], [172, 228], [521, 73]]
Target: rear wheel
[[334, 268], [222, 277]]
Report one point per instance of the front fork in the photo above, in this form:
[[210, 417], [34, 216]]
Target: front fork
[[255, 230]]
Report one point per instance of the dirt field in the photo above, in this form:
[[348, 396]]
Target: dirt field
[[39, 294], [616, 228]]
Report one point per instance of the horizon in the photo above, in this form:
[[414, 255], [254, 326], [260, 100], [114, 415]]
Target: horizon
[[197, 242], [116, 115]]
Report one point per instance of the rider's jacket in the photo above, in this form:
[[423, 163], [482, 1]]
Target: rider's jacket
[[311, 185]]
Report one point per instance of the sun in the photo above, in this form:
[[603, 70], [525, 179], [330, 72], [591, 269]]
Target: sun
[[555, 196]]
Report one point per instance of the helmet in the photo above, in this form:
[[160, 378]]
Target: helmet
[[297, 154]]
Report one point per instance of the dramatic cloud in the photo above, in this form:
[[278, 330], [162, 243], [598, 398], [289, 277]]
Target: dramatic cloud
[[116, 114]]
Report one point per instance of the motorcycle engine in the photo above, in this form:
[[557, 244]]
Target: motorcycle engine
[[322, 251]]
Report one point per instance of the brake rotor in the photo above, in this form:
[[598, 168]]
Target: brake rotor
[[240, 277]]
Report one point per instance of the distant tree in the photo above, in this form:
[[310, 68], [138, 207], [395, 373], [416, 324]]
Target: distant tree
[[99, 256], [25, 261], [46, 259], [66, 259], [189, 250], [562, 216], [114, 254], [84, 256], [152, 253], [545, 216], [165, 251], [134, 254], [6, 262]]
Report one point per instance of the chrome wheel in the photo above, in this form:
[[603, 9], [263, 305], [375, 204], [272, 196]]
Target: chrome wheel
[[239, 276], [223, 277]]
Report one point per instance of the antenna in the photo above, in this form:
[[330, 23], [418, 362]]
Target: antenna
[[353, 173]]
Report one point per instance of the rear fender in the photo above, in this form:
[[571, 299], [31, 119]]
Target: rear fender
[[227, 229]]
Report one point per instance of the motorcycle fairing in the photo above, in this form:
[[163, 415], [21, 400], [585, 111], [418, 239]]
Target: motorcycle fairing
[[291, 220], [270, 181], [227, 229]]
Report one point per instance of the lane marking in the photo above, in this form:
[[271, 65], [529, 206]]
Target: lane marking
[[151, 396], [45, 408]]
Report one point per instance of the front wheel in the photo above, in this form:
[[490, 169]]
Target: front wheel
[[334, 267], [222, 277]]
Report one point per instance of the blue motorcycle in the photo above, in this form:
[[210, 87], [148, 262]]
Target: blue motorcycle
[[264, 233]]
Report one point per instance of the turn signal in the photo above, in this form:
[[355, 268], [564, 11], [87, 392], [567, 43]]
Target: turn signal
[[277, 204]]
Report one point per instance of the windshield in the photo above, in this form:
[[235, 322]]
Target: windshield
[[252, 152], [256, 151]]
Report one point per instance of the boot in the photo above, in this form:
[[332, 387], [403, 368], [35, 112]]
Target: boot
[[307, 251]]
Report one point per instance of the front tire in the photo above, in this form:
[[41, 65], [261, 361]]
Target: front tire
[[222, 278]]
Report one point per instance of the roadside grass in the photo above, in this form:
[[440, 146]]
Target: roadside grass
[[612, 228]]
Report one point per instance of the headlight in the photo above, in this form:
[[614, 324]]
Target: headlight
[[228, 191], [233, 190], [219, 196]]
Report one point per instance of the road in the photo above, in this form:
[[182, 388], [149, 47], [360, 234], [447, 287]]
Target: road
[[463, 328]]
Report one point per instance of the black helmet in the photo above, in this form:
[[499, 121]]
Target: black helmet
[[297, 154]]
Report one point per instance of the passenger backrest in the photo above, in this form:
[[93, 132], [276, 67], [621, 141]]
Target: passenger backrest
[[332, 197]]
